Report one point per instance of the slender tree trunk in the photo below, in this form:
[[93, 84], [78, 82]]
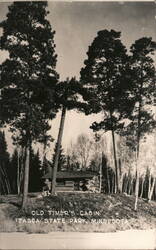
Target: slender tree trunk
[[119, 176], [113, 184], [108, 180], [23, 158], [136, 191], [137, 180], [100, 186], [121, 183], [152, 189], [149, 185], [142, 187], [125, 184], [59, 139], [18, 173], [137, 174], [130, 186], [138, 146], [115, 162], [128, 183], [26, 176]]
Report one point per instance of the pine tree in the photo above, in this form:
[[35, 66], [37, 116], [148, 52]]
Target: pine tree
[[143, 82], [105, 76], [68, 93], [28, 76]]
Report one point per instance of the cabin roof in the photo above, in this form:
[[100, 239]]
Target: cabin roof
[[72, 175]]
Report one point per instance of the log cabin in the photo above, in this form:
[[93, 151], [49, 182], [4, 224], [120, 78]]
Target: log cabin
[[73, 180]]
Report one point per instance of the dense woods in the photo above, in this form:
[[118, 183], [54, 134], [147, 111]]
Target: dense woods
[[99, 156], [117, 84]]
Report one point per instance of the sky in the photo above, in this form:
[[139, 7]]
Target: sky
[[76, 25]]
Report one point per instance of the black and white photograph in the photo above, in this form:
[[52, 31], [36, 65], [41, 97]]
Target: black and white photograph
[[77, 124]]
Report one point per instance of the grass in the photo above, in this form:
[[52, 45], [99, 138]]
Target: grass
[[85, 212]]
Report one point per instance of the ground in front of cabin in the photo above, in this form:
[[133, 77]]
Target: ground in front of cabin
[[78, 212]]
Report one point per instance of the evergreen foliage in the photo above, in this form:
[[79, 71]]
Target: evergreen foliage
[[13, 171], [68, 95], [106, 76], [143, 92], [28, 76], [119, 86], [4, 165], [35, 173]]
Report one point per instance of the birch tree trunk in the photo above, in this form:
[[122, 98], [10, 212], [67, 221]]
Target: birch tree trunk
[[149, 185], [151, 190]]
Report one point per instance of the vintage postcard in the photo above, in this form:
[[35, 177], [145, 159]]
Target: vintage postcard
[[77, 125]]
